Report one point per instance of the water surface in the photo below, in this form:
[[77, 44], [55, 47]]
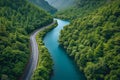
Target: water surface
[[64, 68]]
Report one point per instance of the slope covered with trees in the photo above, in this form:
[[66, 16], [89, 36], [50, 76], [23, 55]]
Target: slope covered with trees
[[45, 5], [93, 41], [61, 4], [17, 20], [80, 8]]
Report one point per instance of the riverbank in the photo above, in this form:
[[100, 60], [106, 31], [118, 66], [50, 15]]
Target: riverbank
[[64, 67], [31, 65], [45, 63]]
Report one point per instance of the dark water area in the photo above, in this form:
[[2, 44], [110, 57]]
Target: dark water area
[[64, 67]]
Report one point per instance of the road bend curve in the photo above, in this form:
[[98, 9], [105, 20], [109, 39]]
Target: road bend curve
[[30, 68]]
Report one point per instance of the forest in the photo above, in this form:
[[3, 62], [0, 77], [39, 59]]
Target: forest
[[44, 5], [94, 43], [92, 39], [80, 8], [17, 20], [61, 4]]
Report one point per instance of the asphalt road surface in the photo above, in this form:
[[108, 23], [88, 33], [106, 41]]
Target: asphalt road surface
[[30, 68]]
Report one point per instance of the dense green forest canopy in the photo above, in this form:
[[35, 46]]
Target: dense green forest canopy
[[17, 20], [81, 8], [45, 5], [94, 43]]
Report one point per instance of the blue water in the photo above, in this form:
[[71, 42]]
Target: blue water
[[64, 68]]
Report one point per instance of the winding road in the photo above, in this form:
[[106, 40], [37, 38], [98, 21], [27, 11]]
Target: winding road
[[34, 55]]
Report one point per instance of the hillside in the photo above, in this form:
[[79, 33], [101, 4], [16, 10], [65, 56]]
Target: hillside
[[17, 20], [45, 5], [94, 43], [61, 4], [81, 8]]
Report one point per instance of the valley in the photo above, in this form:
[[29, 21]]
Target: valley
[[81, 41]]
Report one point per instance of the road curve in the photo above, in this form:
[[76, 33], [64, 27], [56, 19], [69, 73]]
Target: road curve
[[34, 55]]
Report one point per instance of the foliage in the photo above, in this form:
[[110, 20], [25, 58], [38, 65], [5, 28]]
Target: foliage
[[45, 5], [95, 42], [17, 20], [80, 9], [45, 63], [61, 4]]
